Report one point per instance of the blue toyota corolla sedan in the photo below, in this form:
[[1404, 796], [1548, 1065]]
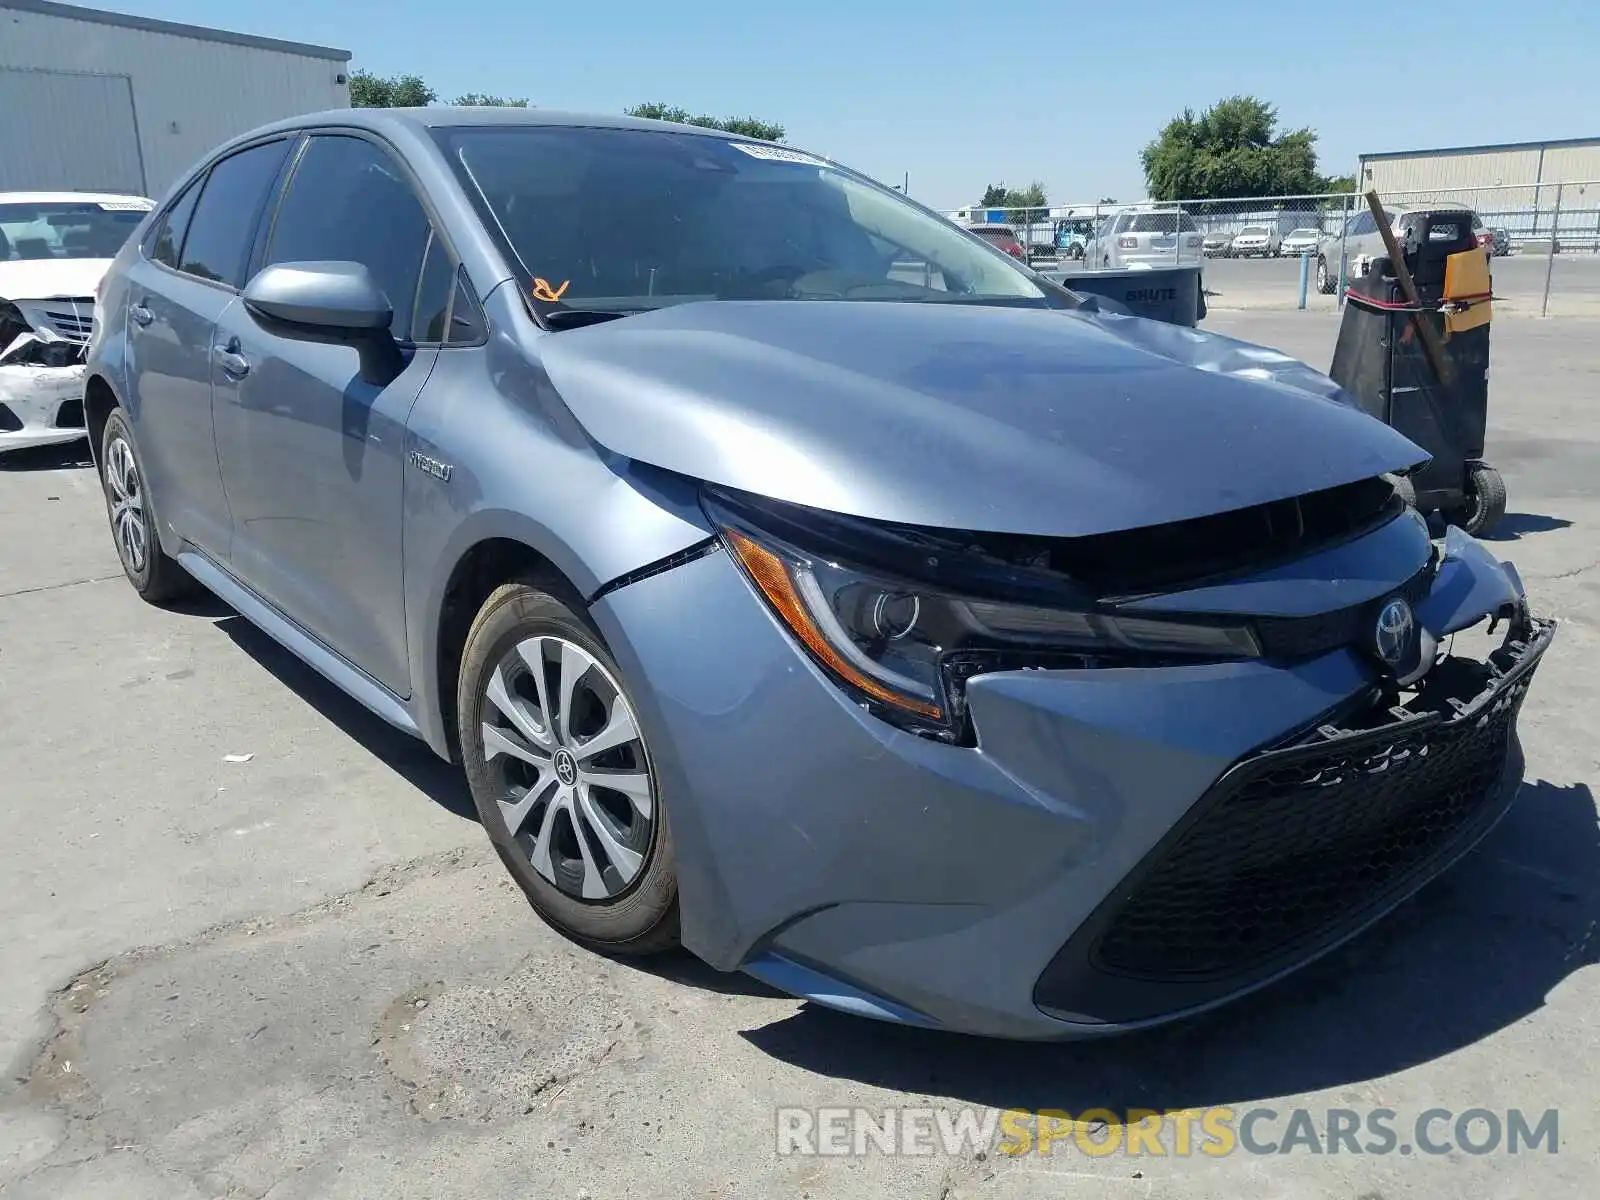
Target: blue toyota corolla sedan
[[796, 577]]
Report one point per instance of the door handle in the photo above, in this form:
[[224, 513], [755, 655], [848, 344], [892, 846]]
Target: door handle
[[141, 315], [234, 363]]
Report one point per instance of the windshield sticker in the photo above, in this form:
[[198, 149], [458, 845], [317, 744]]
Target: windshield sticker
[[543, 291], [779, 154], [126, 205]]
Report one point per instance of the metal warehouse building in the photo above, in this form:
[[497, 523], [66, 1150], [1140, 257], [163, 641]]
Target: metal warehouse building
[[1512, 164], [101, 101]]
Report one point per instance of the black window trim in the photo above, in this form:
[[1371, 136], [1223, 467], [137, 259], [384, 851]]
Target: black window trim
[[463, 284], [416, 301], [202, 177]]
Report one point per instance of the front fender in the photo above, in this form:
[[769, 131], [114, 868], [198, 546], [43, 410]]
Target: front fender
[[515, 466]]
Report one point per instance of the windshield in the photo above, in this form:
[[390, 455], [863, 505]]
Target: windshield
[[630, 219], [1305, 233], [1253, 231], [67, 229]]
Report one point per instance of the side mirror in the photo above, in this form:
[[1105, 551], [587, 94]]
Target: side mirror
[[329, 302]]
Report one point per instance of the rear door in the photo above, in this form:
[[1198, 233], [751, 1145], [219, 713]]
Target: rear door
[[312, 452], [189, 269]]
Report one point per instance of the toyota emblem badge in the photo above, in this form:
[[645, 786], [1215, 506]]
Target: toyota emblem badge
[[1395, 629]]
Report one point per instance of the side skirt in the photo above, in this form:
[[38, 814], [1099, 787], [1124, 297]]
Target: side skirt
[[348, 678]]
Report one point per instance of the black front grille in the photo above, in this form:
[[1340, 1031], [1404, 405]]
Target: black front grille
[[1293, 848], [70, 415], [9, 421], [1183, 552], [1286, 639]]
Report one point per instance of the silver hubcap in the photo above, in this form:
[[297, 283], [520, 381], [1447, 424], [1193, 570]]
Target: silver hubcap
[[575, 787], [127, 504]]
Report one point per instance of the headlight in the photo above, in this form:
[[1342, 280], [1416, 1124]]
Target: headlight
[[904, 646]]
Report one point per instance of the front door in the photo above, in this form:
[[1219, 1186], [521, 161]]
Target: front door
[[312, 453]]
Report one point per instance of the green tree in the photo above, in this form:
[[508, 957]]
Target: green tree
[[479, 100], [744, 126], [1233, 149], [396, 91], [1338, 183], [1032, 200]]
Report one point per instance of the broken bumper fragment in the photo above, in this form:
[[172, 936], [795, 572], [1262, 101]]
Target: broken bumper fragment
[[41, 392]]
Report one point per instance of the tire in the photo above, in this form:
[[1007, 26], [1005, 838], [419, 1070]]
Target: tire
[[1486, 501], [154, 574], [1325, 281], [586, 884]]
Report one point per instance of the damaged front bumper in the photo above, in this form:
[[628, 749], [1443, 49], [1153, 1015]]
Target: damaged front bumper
[[1123, 846], [41, 391]]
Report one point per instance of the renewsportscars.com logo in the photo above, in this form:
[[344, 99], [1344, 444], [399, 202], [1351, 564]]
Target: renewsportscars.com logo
[[1210, 1132]]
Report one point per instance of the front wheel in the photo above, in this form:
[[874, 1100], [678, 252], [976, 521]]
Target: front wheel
[[561, 776], [1324, 280]]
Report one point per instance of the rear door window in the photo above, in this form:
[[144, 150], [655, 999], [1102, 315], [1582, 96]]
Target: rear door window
[[168, 241], [223, 226]]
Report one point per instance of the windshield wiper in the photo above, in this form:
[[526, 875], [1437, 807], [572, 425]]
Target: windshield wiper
[[577, 318]]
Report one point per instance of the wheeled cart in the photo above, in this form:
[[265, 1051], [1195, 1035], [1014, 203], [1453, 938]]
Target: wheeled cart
[[1381, 359]]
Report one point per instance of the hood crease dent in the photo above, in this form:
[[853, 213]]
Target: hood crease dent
[[1025, 421]]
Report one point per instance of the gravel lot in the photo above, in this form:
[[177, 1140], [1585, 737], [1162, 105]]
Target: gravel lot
[[303, 975]]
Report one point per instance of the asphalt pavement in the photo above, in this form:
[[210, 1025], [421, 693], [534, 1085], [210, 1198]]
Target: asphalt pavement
[[253, 943], [1519, 282]]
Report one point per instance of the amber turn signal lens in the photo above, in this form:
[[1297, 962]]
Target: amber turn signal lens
[[768, 572]]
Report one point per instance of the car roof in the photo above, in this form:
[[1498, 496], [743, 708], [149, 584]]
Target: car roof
[[67, 197], [444, 116]]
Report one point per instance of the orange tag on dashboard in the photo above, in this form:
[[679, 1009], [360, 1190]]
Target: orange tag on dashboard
[[543, 291]]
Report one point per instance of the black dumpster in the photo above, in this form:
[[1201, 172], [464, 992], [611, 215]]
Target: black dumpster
[[1382, 360], [1169, 294]]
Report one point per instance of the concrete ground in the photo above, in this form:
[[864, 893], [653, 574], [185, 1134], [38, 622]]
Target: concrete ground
[[1519, 284], [253, 944]]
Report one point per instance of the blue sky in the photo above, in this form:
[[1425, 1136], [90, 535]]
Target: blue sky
[[1065, 93]]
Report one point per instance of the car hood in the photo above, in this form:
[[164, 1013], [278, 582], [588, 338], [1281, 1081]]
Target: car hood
[[1029, 421], [47, 278]]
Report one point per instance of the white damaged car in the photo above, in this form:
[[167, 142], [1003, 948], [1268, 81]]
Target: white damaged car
[[54, 248]]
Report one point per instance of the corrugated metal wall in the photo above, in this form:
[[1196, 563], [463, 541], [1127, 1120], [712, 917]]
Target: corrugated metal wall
[[1510, 168], [188, 94], [99, 154]]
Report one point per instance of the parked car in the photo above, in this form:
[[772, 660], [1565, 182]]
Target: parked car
[[901, 644], [1147, 236], [1217, 244], [1361, 242], [54, 247], [1300, 241], [1500, 241], [1073, 236], [1256, 241], [1002, 237]]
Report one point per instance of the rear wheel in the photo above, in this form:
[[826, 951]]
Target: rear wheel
[[155, 575], [1486, 502], [560, 773]]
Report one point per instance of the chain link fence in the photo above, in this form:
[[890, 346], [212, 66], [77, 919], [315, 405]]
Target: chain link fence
[[1298, 251]]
